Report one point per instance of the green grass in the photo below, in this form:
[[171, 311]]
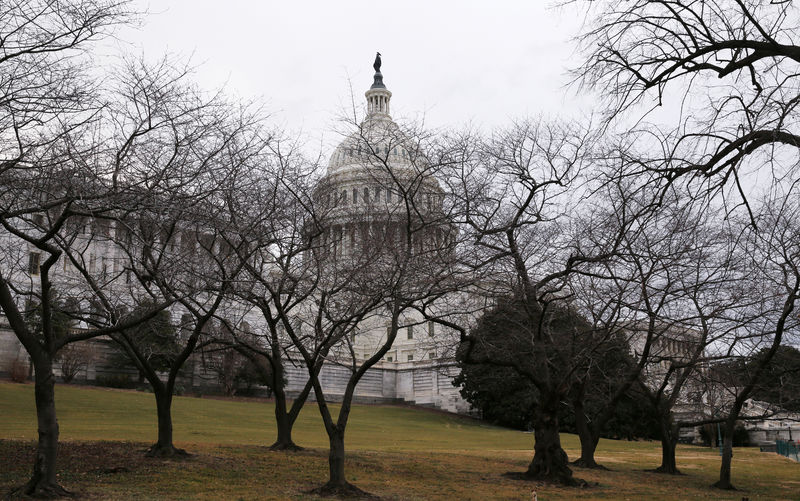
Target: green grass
[[104, 414], [395, 452]]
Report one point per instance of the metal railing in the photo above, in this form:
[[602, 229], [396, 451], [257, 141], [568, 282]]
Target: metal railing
[[789, 449]]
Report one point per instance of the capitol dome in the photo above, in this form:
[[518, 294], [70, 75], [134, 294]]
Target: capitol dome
[[374, 175], [378, 141]]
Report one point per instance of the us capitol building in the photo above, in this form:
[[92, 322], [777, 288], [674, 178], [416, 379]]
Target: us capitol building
[[361, 199]]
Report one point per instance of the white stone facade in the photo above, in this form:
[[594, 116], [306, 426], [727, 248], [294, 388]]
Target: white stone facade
[[359, 198]]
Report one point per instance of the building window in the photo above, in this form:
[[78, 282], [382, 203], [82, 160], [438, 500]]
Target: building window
[[355, 196], [410, 331], [388, 359], [344, 197], [366, 195], [33, 263], [38, 220], [377, 194], [389, 196], [431, 355], [431, 329], [410, 357]]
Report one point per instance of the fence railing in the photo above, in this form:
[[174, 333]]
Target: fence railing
[[789, 449]]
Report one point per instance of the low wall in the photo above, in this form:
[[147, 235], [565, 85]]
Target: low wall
[[428, 383]]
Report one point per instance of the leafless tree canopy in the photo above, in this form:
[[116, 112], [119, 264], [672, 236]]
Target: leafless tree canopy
[[728, 65]]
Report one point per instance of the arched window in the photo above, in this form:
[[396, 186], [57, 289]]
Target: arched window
[[366, 195], [355, 196]]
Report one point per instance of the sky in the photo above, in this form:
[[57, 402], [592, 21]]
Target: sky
[[447, 63]]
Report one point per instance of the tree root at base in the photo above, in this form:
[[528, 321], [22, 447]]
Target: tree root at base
[[40, 491], [344, 490], [282, 446], [166, 451], [727, 486], [593, 465]]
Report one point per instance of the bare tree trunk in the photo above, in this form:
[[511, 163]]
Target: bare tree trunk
[[164, 447], [724, 481], [43, 482], [285, 424], [336, 461], [588, 439], [588, 448], [669, 440], [337, 485], [284, 417], [550, 463]]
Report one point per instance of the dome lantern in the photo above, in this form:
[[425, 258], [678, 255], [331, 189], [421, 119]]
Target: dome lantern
[[378, 95]]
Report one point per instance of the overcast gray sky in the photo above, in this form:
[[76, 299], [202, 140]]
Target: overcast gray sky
[[447, 62]]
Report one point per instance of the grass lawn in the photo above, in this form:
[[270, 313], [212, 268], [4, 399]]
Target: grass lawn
[[394, 452]]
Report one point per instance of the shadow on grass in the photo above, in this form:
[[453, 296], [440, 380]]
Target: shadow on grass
[[549, 480]]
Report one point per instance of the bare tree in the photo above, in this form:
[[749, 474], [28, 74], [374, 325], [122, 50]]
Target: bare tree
[[186, 151], [730, 63], [84, 162], [516, 193], [198, 280], [732, 66], [379, 239], [46, 100], [276, 282], [771, 256], [74, 358]]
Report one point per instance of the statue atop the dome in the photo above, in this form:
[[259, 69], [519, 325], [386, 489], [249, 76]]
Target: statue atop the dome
[[377, 63], [378, 83]]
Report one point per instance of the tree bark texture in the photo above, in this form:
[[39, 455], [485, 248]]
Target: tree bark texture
[[724, 481], [669, 441], [285, 423], [337, 485], [43, 482], [588, 439], [164, 446], [550, 463]]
